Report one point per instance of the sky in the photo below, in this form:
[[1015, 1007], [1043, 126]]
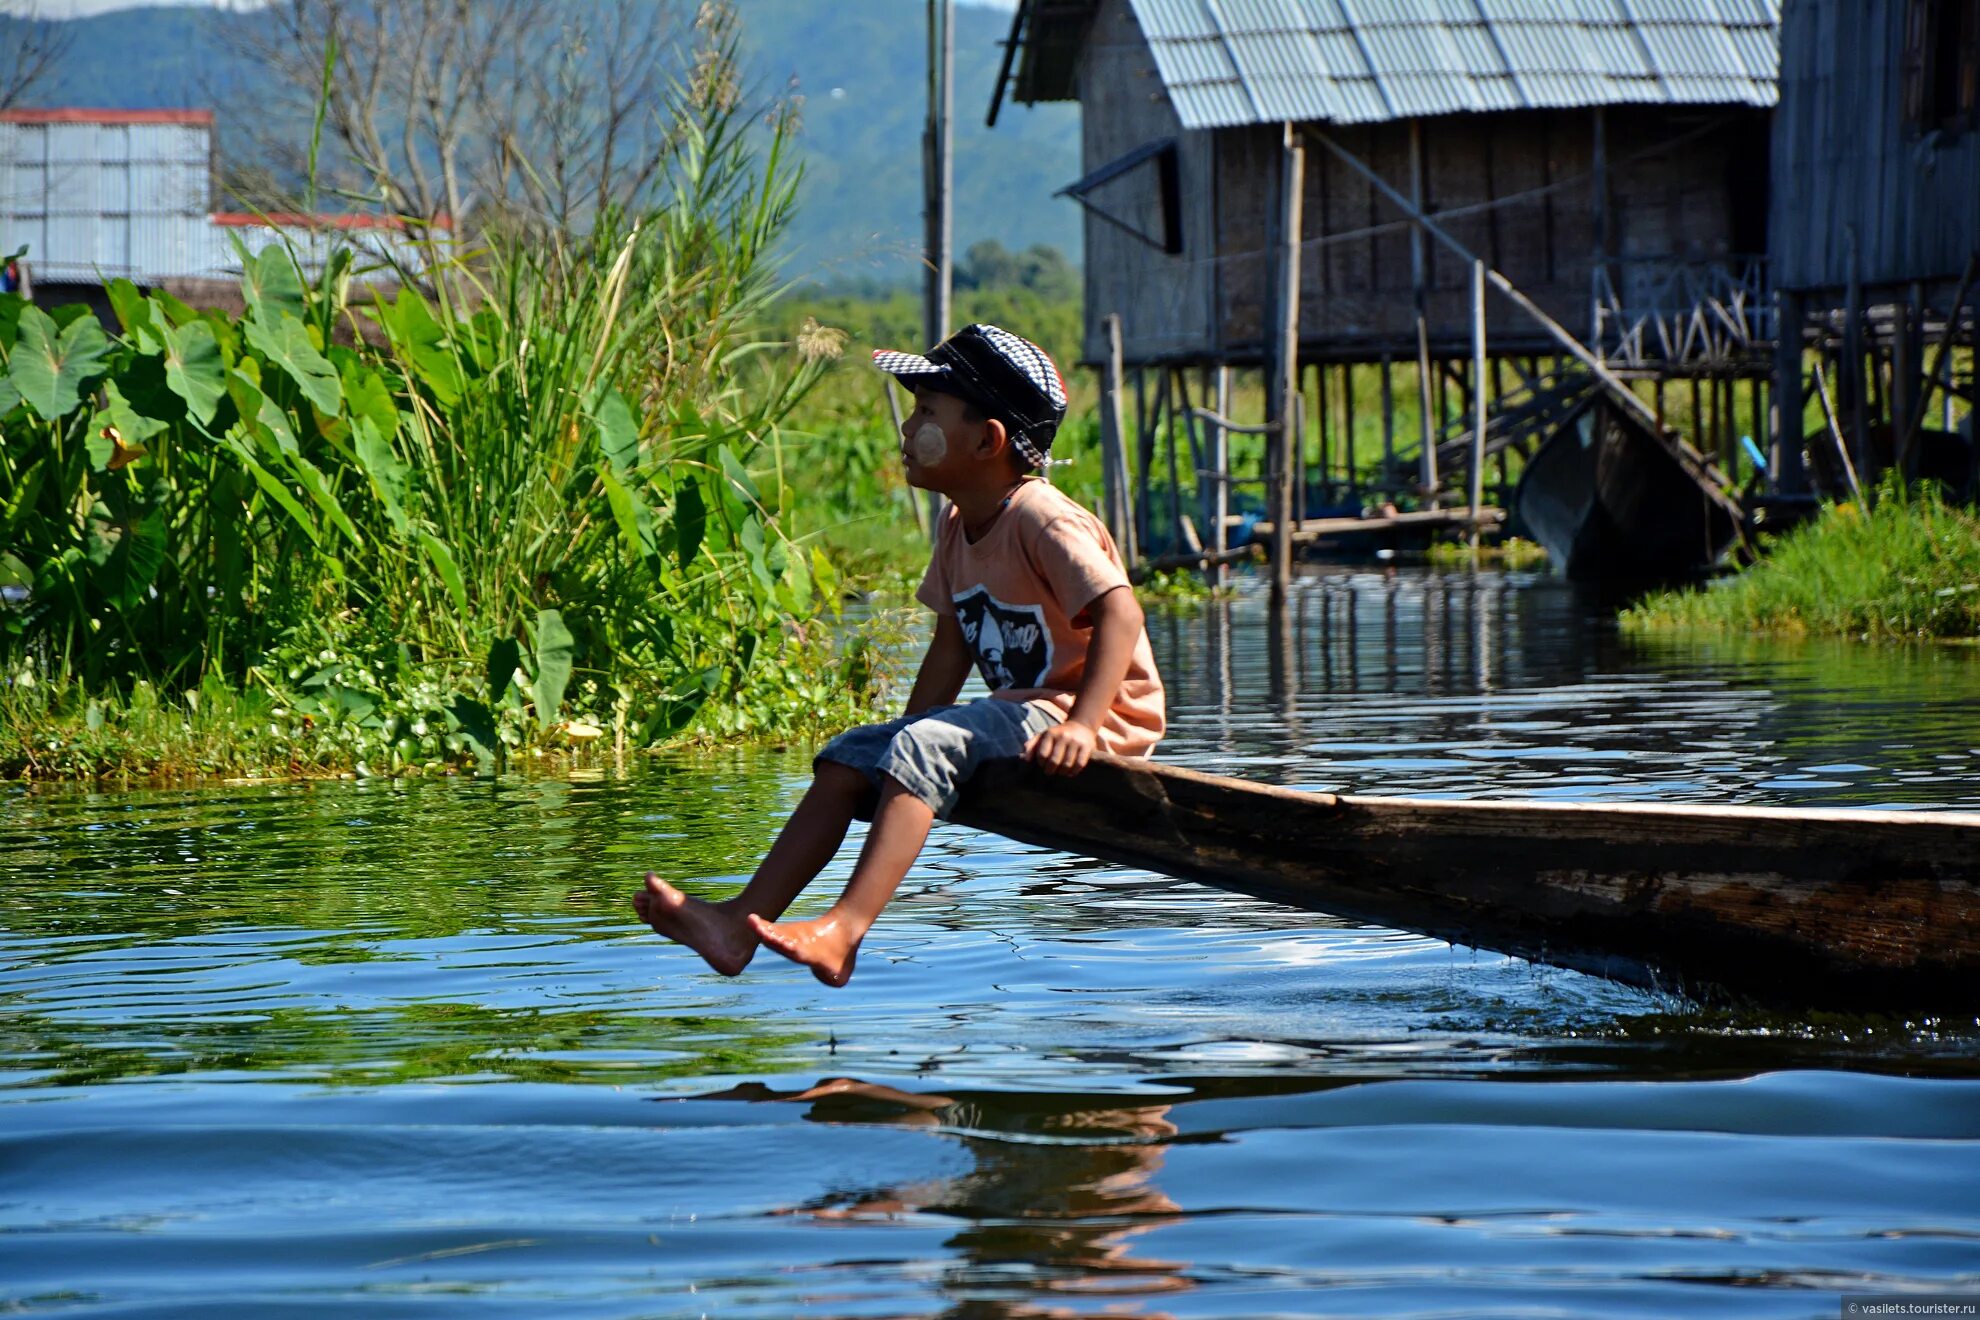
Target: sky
[[86, 8]]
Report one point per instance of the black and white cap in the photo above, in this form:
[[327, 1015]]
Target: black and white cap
[[1006, 377]]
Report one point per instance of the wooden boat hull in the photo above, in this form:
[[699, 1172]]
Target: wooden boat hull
[[1857, 910], [1609, 502]]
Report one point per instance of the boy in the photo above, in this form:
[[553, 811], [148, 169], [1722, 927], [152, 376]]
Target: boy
[[1026, 585]]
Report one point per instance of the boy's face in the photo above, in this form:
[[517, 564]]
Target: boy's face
[[939, 443]]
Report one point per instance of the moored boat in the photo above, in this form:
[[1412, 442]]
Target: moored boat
[[1859, 910], [1611, 499]]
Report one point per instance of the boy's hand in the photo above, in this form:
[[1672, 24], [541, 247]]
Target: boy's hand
[[1063, 749]]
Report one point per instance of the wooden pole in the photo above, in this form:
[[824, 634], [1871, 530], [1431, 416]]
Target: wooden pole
[[1790, 471], [1477, 397], [1220, 463], [1113, 445], [1849, 371], [1388, 423], [1419, 273], [1940, 364], [1175, 466], [1347, 425], [1598, 217], [1285, 383], [938, 178]]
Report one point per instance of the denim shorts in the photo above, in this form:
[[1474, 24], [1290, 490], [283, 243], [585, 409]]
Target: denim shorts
[[933, 754]]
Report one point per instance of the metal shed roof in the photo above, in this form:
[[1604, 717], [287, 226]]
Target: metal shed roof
[[1229, 62]]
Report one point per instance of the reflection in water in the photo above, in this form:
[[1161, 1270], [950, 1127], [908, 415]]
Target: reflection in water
[[1052, 1206], [349, 1047], [1492, 685]]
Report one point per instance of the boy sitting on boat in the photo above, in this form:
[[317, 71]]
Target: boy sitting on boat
[[1027, 586]]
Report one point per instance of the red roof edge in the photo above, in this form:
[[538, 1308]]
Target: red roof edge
[[297, 220], [77, 115]]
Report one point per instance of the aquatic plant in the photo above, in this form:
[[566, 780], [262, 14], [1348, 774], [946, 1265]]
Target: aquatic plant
[[515, 504], [1907, 567]]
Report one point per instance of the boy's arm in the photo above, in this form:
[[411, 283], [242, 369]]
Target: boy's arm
[[943, 668], [1065, 748]]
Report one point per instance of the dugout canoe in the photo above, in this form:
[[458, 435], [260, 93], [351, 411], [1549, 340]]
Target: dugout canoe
[[1875, 911], [1611, 500]]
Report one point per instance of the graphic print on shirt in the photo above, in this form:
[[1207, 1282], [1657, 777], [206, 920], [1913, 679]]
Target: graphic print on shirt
[[1012, 646]]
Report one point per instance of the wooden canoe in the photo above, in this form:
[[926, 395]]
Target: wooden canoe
[[1857, 910], [1610, 500]]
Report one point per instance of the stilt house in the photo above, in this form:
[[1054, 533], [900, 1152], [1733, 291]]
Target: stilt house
[[1876, 229], [1608, 156]]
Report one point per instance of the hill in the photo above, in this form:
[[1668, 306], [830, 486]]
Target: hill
[[860, 67]]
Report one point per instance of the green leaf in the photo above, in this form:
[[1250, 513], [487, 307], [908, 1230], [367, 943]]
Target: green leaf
[[690, 520], [384, 470], [9, 396], [367, 395], [478, 725], [618, 433], [132, 309], [270, 283], [736, 472], [630, 512], [286, 344], [273, 487], [127, 551], [133, 427], [503, 657], [450, 573], [423, 345], [194, 370], [11, 307], [49, 364], [267, 419], [554, 648], [317, 487]]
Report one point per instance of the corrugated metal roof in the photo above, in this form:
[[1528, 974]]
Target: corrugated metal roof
[[1228, 62]]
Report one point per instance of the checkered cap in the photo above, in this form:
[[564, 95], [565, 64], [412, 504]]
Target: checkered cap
[[1006, 377]]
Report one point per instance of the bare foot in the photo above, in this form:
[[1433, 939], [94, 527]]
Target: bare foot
[[712, 930], [827, 944]]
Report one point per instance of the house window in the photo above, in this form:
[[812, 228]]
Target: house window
[[1941, 65]]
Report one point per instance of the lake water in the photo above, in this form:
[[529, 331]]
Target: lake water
[[399, 1049]]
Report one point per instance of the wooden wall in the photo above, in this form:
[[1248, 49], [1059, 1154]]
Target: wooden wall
[[1164, 301], [1689, 182], [1843, 160]]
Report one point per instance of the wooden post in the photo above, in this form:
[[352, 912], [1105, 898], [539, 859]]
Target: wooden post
[[1941, 363], [1113, 445], [1347, 425], [1419, 274], [938, 171], [1477, 396], [1790, 470], [1905, 337], [1598, 216], [1849, 371], [1285, 365], [1388, 424], [1220, 463], [1175, 467], [1144, 452], [1319, 395]]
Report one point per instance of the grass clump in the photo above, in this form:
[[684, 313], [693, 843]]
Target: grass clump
[[1513, 554], [1907, 567]]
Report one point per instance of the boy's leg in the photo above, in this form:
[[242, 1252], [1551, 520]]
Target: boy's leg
[[829, 945], [720, 932], [923, 768]]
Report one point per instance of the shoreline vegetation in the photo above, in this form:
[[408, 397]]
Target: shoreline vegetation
[[530, 498], [1907, 568]]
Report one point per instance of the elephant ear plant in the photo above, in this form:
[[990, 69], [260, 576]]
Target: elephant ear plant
[[507, 502]]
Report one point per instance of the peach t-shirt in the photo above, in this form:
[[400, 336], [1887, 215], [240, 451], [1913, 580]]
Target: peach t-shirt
[[1021, 592]]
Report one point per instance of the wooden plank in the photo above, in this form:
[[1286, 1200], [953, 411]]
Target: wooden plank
[[1314, 529], [1863, 910]]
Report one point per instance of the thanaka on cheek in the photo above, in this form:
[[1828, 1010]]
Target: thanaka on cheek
[[930, 445]]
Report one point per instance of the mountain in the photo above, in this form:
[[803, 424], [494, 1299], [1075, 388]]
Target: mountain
[[860, 66]]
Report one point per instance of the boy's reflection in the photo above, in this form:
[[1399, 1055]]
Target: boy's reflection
[[1060, 1193]]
